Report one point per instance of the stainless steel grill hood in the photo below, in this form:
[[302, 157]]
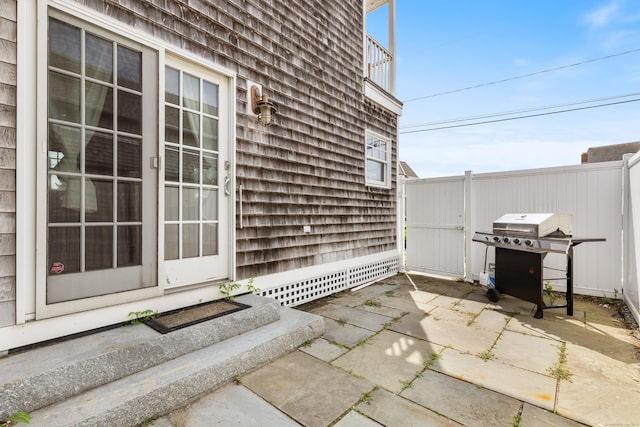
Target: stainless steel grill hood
[[533, 225]]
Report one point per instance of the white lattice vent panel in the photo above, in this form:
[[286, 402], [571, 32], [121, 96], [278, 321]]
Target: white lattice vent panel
[[371, 272], [307, 290]]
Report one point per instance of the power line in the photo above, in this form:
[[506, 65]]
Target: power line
[[521, 117], [525, 110], [525, 75]]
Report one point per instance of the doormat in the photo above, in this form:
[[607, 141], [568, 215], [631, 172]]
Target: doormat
[[183, 317]]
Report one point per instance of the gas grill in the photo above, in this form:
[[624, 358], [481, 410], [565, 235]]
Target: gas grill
[[521, 243]]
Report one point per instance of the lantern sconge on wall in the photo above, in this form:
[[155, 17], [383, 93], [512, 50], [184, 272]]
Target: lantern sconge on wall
[[261, 106]]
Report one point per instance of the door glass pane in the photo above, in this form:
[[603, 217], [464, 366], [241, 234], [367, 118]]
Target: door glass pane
[[209, 204], [191, 129], [64, 199], [172, 125], [190, 204], [64, 97], [209, 239], [64, 46], [129, 157], [190, 240], [98, 200], [172, 86], [210, 98], [129, 245], [210, 133], [129, 112], [99, 248], [210, 169], [171, 239], [191, 167], [99, 153], [129, 202], [99, 105], [64, 148], [98, 58], [191, 92], [63, 252], [129, 68], [171, 164], [171, 203]]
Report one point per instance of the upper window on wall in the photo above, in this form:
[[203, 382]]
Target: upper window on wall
[[378, 160]]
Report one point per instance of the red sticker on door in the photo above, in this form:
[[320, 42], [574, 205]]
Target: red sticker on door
[[57, 268]]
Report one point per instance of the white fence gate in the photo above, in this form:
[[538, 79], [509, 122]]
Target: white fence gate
[[443, 213], [435, 226]]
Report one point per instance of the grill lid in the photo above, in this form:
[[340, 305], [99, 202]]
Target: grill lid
[[533, 225]]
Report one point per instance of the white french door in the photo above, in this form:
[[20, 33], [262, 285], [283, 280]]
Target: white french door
[[101, 187], [197, 175]]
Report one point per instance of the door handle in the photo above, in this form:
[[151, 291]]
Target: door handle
[[227, 180]]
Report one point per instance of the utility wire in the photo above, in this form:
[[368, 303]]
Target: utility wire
[[508, 113], [525, 75], [520, 117]]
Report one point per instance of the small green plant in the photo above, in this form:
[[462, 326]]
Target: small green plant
[[559, 370], [137, 317], [237, 379], [406, 384], [516, 421], [485, 355], [251, 288], [366, 396], [548, 291], [363, 341], [227, 289], [433, 357], [388, 293], [372, 303], [17, 418], [615, 293], [342, 321]]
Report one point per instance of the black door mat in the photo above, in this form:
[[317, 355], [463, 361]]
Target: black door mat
[[181, 318]]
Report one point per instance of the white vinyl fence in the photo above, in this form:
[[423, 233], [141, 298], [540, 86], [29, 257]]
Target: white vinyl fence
[[443, 213]]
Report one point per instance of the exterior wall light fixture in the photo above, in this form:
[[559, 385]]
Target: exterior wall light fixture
[[261, 106]]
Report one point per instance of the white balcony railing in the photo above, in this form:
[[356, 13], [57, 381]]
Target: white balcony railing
[[378, 64]]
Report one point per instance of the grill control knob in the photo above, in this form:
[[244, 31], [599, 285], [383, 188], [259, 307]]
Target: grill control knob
[[506, 240], [516, 241], [496, 238], [528, 242]]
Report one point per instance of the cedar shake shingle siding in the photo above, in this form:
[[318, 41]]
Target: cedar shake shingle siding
[[7, 161], [309, 167]]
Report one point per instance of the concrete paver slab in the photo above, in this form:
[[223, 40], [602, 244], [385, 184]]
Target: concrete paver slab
[[519, 383], [462, 401], [353, 316], [344, 334], [445, 333], [392, 410], [355, 419], [388, 359], [323, 350], [602, 390], [228, 407], [491, 320], [532, 416], [470, 306], [312, 392], [528, 352]]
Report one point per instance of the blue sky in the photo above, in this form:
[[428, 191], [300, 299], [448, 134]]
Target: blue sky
[[449, 45]]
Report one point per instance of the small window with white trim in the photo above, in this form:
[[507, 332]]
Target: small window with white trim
[[378, 160]]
